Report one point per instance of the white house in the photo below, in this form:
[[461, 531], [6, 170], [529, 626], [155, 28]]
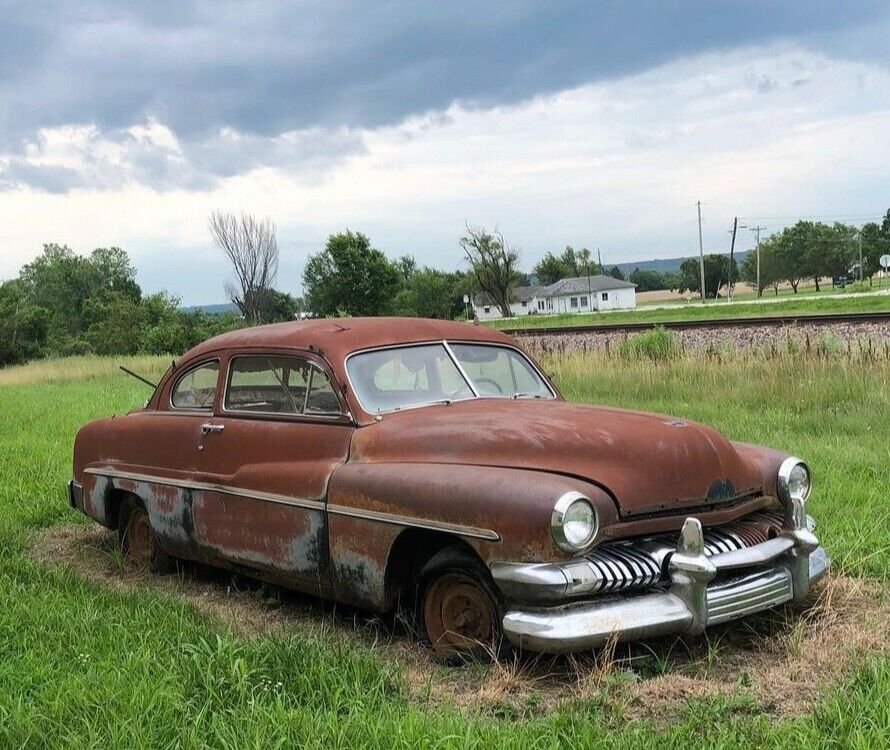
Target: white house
[[524, 302], [575, 295], [587, 294]]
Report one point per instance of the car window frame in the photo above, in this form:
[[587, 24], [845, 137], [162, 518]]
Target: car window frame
[[190, 368], [344, 416], [555, 396]]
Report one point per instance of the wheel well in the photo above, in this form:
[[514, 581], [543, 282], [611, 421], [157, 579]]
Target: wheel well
[[113, 502], [407, 556]]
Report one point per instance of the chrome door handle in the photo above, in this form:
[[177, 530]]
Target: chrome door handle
[[207, 428]]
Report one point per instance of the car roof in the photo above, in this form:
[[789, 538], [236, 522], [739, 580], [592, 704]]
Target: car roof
[[338, 337]]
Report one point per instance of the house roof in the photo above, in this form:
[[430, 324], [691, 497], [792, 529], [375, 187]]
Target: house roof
[[583, 284], [520, 294]]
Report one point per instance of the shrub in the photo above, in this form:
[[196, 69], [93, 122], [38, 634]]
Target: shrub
[[657, 344]]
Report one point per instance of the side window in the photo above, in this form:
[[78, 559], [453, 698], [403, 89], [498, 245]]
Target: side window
[[322, 397], [272, 385], [197, 388]]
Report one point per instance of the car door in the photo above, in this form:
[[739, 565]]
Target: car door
[[279, 430], [155, 452]]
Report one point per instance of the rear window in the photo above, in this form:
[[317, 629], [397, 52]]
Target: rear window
[[196, 389]]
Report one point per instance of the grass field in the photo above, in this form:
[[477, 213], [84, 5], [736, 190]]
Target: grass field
[[84, 664], [808, 304]]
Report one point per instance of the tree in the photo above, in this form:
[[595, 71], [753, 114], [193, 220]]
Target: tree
[[616, 273], [276, 306], [23, 325], [114, 322], [771, 271], [716, 274], [571, 264], [251, 247], [874, 244], [648, 281], [429, 294], [493, 264], [407, 265], [351, 277], [62, 283]]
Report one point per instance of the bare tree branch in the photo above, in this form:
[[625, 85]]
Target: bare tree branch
[[493, 263], [251, 247]]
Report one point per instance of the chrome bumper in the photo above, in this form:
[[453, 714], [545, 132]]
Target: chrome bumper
[[703, 590]]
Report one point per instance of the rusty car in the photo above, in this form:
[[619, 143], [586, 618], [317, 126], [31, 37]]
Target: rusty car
[[433, 466]]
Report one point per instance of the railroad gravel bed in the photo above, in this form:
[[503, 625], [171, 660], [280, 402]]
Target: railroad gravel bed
[[829, 336]]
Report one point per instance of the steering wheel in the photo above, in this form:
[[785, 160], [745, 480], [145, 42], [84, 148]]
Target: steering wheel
[[479, 381]]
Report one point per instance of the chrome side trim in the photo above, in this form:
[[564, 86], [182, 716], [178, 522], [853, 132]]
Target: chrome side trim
[[399, 520], [188, 484], [301, 502]]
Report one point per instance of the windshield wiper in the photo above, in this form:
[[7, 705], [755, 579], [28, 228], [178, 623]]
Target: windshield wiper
[[526, 395]]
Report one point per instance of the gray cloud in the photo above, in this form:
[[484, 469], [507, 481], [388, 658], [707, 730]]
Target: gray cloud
[[266, 68]]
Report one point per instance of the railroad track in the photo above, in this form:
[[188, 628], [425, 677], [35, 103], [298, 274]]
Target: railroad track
[[774, 321]]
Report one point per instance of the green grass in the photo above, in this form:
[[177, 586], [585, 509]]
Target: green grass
[[713, 310], [85, 665]]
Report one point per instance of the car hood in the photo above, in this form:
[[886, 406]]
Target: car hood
[[650, 463]]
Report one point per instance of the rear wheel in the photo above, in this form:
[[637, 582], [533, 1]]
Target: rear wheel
[[137, 538], [459, 611]]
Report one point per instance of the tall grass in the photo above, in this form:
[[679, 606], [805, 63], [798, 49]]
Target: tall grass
[[84, 367]]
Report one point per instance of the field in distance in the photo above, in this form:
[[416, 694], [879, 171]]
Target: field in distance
[[92, 654], [712, 310]]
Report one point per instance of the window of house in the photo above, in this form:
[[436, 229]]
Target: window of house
[[487, 309], [540, 304], [573, 302], [605, 297], [584, 302], [196, 389], [524, 303]]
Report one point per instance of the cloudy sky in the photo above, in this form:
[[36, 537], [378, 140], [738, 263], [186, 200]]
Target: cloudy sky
[[592, 123]]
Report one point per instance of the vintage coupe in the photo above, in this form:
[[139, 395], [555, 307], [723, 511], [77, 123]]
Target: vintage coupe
[[383, 461]]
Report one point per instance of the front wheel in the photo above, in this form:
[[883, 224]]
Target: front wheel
[[459, 611], [137, 538]]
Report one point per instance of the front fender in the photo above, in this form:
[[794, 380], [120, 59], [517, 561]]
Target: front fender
[[503, 514]]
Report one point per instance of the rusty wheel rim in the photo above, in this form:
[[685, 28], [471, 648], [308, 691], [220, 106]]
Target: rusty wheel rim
[[458, 614], [140, 537]]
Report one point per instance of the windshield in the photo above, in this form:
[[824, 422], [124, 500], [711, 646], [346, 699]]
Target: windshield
[[405, 376]]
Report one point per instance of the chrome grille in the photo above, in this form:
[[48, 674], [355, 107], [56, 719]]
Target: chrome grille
[[619, 566]]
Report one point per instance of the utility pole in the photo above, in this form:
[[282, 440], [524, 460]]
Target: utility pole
[[735, 226], [701, 253], [756, 231], [861, 278], [599, 259]]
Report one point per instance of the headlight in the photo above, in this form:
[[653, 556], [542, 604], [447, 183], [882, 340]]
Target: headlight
[[794, 480], [574, 522]]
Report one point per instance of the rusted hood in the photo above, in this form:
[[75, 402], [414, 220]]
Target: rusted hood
[[649, 462]]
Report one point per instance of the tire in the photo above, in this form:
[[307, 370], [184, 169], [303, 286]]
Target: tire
[[458, 609], [137, 538]]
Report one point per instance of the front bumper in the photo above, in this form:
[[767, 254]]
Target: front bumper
[[703, 590]]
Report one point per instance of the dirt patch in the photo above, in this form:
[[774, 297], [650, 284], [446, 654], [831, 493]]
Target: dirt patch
[[778, 663]]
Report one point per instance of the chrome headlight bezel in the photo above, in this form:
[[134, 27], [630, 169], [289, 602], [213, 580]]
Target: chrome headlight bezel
[[783, 480], [557, 522]]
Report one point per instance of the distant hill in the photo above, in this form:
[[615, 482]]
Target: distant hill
[[665, 265], [218, 309]]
